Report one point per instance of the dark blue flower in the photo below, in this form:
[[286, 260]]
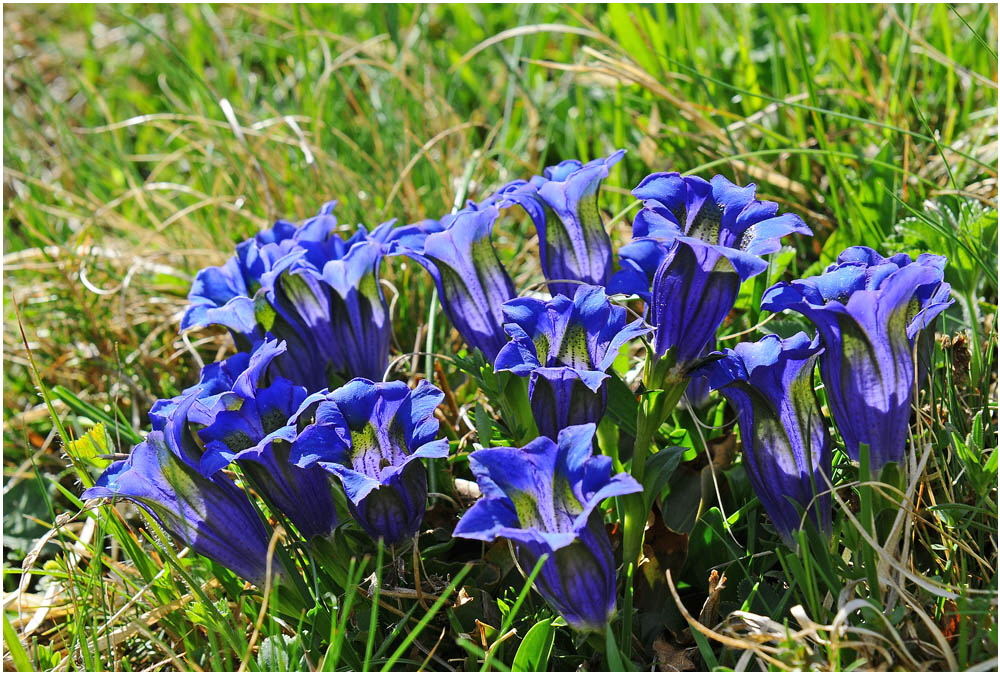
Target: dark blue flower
[[869, 311], [566, 346], [471, 281], [210, 514], [695, 243], [562, 203], [214, 390], [224, 295], [309, 287], [786, 445], [372, 436], [243, 413], [545, 498]]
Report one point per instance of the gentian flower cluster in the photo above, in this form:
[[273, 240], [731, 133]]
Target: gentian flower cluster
[[240, 414], [299, 416], [265, 407], [694, 243], [307, 286], [210, 514]]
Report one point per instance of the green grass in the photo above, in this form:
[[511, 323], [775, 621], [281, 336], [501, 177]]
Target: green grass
[[142, 143]]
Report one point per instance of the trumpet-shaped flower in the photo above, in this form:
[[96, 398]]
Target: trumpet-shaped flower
[[372, 437], [786, 445], [243, 420], [562, 203], [869, 311], [544, 498], [471, 281], [309, 287], [214, 390], [695, 243], [566, 346], [209, 514]]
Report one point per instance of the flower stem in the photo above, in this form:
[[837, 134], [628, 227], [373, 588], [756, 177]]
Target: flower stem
[[664, 388], [517, 408]]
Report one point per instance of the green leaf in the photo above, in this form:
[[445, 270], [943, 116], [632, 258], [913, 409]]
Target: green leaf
[[484, 426], [622, 404], [13, 644], [659, 469], [275, 654], [682, 504], [119, 428], [91, 447], [616, 663], [533, 653], [26, 504]]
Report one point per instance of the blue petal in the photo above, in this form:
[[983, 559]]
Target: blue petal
[[471, 281], [485, 519]]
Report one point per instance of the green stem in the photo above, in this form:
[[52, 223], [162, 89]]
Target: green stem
[[607, 440], [517, 407], [663, 391], [626, 636]]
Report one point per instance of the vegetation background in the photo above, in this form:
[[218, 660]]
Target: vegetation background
[[142, 142]]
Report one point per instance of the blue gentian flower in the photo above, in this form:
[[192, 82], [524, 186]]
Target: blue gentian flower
[[241, 419], [786, 445], [562, 203], [214, 390], [224, 295], [372, 436], [342, 306], [210, 514], [471, 281], [545, 498], [869, 311], [566, 346], [695, 243], [252, 427], [309, 287]]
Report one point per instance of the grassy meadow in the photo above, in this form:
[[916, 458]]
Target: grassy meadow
[[142, 142]]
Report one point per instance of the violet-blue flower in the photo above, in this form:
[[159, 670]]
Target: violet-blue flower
[[210, 514], [309, 287], [545, 498], [566, 347], [372, 437], [695, 243], [252, 427], [243, 412], [214, 390], [869, 311], [563, 205], [471, 281], [786, 445]]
